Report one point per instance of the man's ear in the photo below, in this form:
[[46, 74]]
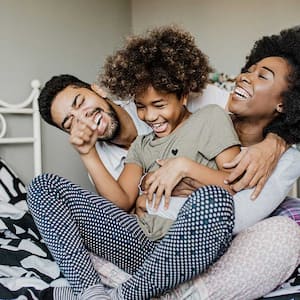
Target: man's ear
[[279, 107], [97, 89]]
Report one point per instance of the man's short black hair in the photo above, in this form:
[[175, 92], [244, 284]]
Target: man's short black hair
[[52, 87]]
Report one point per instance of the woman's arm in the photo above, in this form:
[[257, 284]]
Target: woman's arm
[[255, 164]]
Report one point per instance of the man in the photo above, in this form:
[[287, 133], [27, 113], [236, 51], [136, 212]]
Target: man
[[76, 108]]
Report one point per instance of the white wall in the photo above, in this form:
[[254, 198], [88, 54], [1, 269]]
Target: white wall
[[224, 30], [42, 38]]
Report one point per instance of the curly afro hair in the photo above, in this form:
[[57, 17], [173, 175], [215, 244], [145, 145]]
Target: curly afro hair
[[286, 45], [166, 58]]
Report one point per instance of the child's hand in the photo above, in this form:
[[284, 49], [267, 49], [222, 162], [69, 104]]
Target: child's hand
[[83, 135], [162, 181]]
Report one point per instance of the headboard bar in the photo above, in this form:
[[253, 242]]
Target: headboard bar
[[22, 108]]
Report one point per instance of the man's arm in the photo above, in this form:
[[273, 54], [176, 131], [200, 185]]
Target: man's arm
[[254, 165]]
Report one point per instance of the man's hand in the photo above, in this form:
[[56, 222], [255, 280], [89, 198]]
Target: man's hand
[[254, 165], [83, 135]]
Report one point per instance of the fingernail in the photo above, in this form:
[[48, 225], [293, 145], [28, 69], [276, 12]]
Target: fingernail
[[94, 126], [225, 181]]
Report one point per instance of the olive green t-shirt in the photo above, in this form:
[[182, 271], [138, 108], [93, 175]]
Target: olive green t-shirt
[[202, 137]]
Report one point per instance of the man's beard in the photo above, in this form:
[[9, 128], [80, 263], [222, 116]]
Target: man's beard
[[114, 128]]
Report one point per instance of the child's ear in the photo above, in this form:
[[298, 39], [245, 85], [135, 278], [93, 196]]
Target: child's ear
[[97, 89], [279, 107], [184, 100]]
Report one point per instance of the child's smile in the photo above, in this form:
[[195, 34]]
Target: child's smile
[[163, 112]]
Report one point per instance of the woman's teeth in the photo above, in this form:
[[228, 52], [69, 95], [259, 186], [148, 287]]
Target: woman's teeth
[[241, 93]]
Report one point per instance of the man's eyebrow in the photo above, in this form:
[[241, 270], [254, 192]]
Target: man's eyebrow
[[67, 117], [268, 69]]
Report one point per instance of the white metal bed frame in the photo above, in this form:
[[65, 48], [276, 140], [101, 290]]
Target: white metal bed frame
[[29, 107]]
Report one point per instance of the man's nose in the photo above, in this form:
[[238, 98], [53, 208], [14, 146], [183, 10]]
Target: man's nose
[[80, 113]]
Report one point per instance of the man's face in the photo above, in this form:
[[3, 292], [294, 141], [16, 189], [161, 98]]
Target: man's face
[[74, 104]]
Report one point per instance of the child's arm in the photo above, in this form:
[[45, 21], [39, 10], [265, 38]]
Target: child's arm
[[123, 192], [172, 171]]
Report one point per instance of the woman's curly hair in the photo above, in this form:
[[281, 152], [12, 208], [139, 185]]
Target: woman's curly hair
[[286, 45], [166, 58]]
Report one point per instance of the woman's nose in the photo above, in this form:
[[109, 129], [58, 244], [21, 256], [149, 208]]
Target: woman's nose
[[245, 77]]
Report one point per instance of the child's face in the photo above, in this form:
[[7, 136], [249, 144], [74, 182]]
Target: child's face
[[163, 112]]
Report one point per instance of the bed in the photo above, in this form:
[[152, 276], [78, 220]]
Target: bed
[[27, 269]]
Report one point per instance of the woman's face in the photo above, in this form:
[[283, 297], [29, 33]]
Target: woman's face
[[163, 112], [258, 91]]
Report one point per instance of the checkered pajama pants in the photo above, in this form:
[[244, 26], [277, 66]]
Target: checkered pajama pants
[[73, 221]]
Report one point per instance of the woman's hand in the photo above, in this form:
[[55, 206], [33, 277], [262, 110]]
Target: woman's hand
[[162, 181], [254, 165]]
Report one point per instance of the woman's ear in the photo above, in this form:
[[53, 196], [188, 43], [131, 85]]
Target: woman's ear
[[97, 89], [279, 107]]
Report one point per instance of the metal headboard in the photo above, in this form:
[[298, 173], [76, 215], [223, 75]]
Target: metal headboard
[[29, 107]]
